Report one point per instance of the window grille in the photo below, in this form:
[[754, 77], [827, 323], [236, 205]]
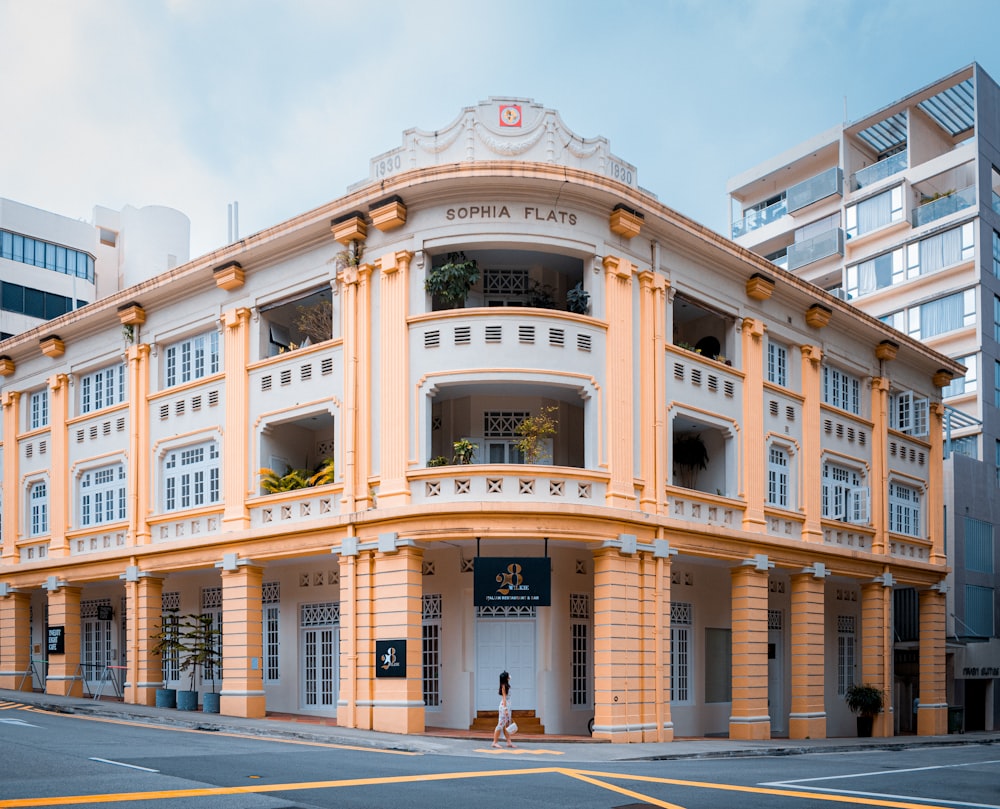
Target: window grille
[[431, 649]]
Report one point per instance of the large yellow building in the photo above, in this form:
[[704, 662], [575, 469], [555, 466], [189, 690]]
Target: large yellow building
[[741, 471]]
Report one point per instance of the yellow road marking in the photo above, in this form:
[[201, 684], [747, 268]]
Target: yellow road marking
[[304, 742], [6, 706], [783, 793], [519, 751], [586, 776]]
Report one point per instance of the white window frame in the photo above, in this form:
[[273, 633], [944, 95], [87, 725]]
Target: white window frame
[[909, 414], [38, 508], [916, 321], [102, 495], [846, 653], [841, 390], [893, 211], [968, 383], [431, 650], [681, 653], [102, 388], [190, 359], [39, 409], [191, 476], [580, 651], [905, 514], [845, 497], [779, 483], [777, 364]]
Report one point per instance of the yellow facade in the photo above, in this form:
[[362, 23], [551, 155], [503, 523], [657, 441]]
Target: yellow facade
[[727, 596]]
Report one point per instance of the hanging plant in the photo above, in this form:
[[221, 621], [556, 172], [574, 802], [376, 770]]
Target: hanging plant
[[450, 282]]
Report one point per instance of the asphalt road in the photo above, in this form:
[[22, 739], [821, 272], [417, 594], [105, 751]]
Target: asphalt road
[[49, 759]]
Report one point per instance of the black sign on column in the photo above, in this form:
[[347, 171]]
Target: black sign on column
[[512, 581], [56, 640], [390, 658]]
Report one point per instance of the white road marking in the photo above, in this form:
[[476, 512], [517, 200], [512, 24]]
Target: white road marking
[[876, 772], [122, 764], [6, 721]]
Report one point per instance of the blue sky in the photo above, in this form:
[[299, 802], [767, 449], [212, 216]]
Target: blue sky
[[280, 105]]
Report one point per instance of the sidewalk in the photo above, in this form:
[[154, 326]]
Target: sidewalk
[[463, 743]]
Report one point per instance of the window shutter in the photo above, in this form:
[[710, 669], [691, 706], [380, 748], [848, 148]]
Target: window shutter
[[921, 409]]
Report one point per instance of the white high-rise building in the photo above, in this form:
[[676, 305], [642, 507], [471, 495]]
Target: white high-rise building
[[899, 213]]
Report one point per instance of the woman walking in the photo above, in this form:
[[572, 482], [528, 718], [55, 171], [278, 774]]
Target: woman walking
[[504, 718]]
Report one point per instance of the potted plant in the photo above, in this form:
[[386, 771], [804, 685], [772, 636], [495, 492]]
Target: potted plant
[[534, 431], [465, 450], [199, 638], [578, 300], [325, 473], [438, 460], [167, 645], [866, 701], [690, 456], [272, 482], [450, 282]]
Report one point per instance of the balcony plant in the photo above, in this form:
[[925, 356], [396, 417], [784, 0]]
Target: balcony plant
[[867, 702], [324, 473], [578, 300], [438, 460], [272, 482], [316, 321], [450, 282], [465, 451], [690, 456], [534, 431]]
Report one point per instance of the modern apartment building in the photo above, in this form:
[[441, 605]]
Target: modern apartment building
[[495, 408], [899, 213], [52, 264]]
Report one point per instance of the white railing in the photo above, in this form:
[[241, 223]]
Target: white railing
[[703, 508], [298, 506], [514, 483]]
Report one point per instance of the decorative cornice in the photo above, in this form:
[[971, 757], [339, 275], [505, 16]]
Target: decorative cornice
[[349, 228], [887, 350], [229, 276], [760, 287], [818, 315], [625, 222], [388, 213], [52, 346], [7, 366], [131, 314]]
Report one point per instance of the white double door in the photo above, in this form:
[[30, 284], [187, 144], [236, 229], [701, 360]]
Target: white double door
[[505, 644]]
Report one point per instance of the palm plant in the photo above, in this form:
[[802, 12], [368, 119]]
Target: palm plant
[[293, 479]]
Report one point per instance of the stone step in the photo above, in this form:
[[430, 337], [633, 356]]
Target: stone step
[[527, 722]]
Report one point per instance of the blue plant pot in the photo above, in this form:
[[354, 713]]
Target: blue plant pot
[[187, 700], [166, 697], [210, 703]]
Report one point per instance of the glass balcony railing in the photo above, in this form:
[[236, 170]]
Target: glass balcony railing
[[996, 202], [950, 204], [823, 185], [830, 243], [757, 219], [881, 170]]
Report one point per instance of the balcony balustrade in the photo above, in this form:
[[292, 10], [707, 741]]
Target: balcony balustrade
[[825, 184], [818, 247], [514, 483], [938, 208], [753, 220], [880, 170]]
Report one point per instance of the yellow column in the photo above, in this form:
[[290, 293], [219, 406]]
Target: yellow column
[[880, 466], [754, 447], [932, 714], [144, 608], [749, 719], [394, 375], [808, 715], [138, 446], [242, 641], [64, 611], [652, 392], [812, 420], [935, 486], [618, 708], [59, 478], [658, 725], [235, 447], [357, 648], [15, 641], [397, 589], [357, 387], [876, 648], [620, 415], [8, 484]]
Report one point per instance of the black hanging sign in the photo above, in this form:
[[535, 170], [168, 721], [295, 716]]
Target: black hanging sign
[[390, 658], [56, 640], [512, 581], [105, 612]]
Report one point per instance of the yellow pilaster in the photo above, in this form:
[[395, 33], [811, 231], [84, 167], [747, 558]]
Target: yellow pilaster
[[749, 718], [59, 488], [880, 465], [394, 376], [932, 714], [876, 648], [242, 641], [235, 447], [808, 715], [144, 608], [935, 486], [620, 416], [138, 446], [64, 611], [8, 485], [657, 723], [652, 392], [15, 641], [810, 470], [357, 650], [754, 449], [618, 676], [398, 704], [357, 386]]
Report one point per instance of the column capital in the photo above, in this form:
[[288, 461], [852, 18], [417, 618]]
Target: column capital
[[619, 267], [234, 318], [753, 327]]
